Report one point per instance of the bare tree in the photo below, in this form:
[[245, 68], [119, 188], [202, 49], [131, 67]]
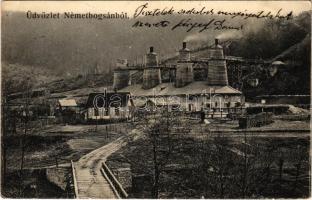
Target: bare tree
[[300, 157], [26, 120], [217, 165], [6, 114], [158, 127]]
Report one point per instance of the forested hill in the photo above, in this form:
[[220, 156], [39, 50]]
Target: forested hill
[[289, 42], [273, 38], [72, 47], [76, 45]]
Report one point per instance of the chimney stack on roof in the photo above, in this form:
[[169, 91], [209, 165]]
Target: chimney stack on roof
[[151, 73], [216, 41], [217, 71], [184, 70], [185, 54]]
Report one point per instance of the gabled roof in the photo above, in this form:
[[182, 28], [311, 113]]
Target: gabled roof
[[67, 102], [168, 89], [119, 99]]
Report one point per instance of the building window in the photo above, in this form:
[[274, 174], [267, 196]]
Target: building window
[[190, 107], [117, 111], [96, 112]]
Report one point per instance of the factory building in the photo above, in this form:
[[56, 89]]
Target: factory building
[[184, 92], [108, 107], [195, 96]]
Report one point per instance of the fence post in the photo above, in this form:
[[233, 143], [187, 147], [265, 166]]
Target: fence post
[[115, 184], [74, 179]]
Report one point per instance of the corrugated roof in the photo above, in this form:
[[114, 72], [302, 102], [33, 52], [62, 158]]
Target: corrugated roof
[[67, 102], [167, 89]]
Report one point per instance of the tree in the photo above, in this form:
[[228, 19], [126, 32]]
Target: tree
[[158, 127], [10, 116], [26, 120]]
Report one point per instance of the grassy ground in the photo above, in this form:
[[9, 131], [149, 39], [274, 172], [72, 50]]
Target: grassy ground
[[59, 143], [51, 146], [200, 160], [229, 125]]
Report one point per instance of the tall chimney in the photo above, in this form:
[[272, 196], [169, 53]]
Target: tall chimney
[[185, 54], [217, 71], [216, 41], [151, 73], [184, 69]]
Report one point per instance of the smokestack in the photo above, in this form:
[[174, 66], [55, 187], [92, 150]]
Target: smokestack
[[184, 70], [151, 73], [185, 54], [216, 41], [217, 71], [121, 79]]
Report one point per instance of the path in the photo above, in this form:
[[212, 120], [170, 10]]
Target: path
[[90, 182]]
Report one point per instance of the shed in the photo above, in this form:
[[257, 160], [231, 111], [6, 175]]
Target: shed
[[65, 103], [67, 110]]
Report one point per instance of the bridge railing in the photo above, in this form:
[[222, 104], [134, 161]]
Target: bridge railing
[[74, 179], [115, 184]]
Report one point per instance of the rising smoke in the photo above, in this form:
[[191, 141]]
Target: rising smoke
[[230, 35], [197, 37], [205, 37], [248, 26]]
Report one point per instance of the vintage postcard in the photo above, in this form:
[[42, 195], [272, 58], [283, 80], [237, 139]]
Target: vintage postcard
[[156, 99]]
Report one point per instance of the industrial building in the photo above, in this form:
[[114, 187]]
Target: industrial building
[[183, 89], [108, 106]]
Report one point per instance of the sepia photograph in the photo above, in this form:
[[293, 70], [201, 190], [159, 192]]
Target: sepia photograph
[[155, 99]]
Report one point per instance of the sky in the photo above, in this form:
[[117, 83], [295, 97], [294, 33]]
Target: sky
[[130, 6]]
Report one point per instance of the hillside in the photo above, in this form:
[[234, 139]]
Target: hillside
[[15, 77], [70, 49]]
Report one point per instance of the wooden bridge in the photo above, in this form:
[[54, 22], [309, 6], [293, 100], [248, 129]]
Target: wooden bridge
[[93, 179]]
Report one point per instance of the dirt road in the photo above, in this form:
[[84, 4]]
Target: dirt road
[[91, 183]]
